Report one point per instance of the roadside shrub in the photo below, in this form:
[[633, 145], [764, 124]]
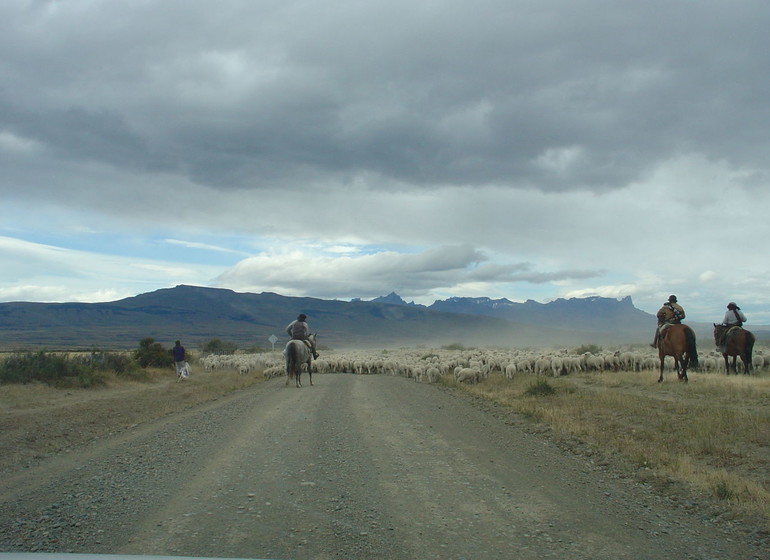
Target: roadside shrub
[[59, 370], [52, 369], [217, 346], [121, 364], [152, 354], [40, 366]]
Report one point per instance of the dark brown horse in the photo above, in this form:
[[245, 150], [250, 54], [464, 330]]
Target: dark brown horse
[[735, 342], [678, 341]]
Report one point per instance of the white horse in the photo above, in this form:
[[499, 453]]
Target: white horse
[[297, 353]]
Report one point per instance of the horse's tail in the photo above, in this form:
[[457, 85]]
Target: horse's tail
[[692, 350], [750, 339], [292, 359]]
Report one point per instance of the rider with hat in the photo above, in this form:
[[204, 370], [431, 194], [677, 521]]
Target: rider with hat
[[671, 313], [734, 317], [298, 330]]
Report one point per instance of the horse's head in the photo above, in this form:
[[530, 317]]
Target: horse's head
[[718, 330]]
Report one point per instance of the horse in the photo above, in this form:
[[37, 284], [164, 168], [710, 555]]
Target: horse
[[297, 353], [735, 342], [678, 341]]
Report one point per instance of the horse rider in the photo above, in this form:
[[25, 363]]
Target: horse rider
[[671, 313], [298, 330], [734, 317]]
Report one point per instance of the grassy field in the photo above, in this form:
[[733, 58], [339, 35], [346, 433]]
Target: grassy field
[[712, 433]]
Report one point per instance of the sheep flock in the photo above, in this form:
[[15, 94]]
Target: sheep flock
[[469, 365]]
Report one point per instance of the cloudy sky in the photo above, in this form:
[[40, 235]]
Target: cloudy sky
[[530, 149]]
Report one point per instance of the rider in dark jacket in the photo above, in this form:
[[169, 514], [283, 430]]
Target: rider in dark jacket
[[670, 313]]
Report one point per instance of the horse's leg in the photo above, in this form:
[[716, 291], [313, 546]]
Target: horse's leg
[[727, 363], [310, 371], [745, 363], [662, 360]]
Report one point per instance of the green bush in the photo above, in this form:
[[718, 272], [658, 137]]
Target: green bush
[[38, 366], [217, 346], [122, 364], [52, 369], [61, 371], [152, 354]]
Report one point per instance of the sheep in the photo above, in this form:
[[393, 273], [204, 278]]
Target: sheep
[[431, 375], [467, 375], [273, 371], [557, 366], [542, 365]]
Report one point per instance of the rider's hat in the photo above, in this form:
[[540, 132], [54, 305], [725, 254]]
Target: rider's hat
[[672, 299], [301, 317], [731, 305]]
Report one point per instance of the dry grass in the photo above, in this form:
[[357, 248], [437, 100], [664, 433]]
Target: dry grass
[[37, 420], [712, 433]]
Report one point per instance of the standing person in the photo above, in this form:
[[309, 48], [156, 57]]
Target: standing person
[[299, 330], [179, 357], [671, 313]]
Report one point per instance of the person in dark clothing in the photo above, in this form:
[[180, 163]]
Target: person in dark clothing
[[179, 357], [671, 313]]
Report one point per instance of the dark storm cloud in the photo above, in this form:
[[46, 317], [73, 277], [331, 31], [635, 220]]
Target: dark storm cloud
[[523, 272], [553, 95]]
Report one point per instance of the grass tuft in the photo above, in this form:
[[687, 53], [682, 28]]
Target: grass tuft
[[540, 388]]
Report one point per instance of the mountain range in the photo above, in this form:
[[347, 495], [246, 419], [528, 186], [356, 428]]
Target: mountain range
[[198, 314]]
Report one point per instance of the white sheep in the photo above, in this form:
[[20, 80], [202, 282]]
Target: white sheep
[[467, 375]]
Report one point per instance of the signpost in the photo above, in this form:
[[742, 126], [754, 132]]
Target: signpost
[[273, 339]]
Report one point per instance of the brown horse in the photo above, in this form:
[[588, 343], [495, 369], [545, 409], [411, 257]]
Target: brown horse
[[735, 342], [678, 341]]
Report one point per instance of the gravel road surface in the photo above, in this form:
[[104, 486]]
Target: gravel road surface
[[353, 467]]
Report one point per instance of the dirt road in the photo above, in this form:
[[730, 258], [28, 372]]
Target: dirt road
[[353, 467]]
